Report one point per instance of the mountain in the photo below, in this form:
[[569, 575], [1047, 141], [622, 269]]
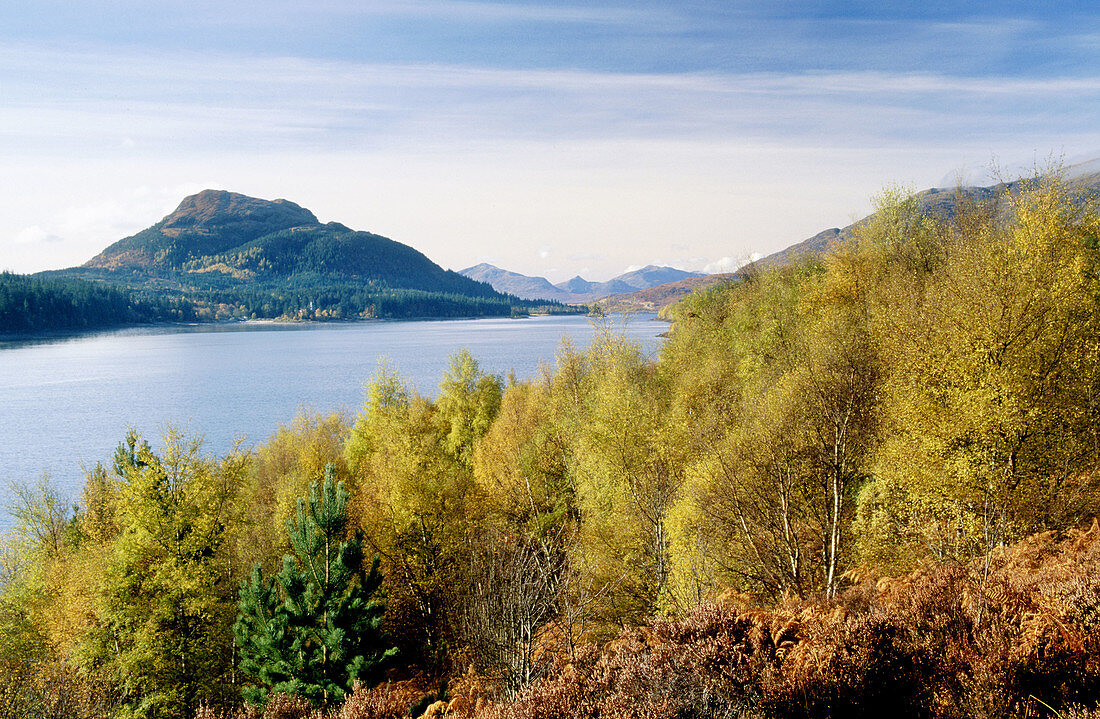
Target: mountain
[[653, 275], [235, 256], [584, 291], [513, 283], [1082, 179], [218, 232], [209, 223], [576, 290]]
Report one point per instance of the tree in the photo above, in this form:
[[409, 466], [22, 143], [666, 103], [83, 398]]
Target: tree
[[518, 587], [521, 463], [469, 401], [993, 359], [314, 630], [165, 603], [628, 464], [781, 408], [281, 471], [414, 500]]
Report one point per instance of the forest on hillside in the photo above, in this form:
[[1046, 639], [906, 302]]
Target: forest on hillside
[[316, 297], [54, 301], [857, 484], [32, 304]]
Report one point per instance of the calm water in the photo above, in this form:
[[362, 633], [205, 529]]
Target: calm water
[[66, 403]]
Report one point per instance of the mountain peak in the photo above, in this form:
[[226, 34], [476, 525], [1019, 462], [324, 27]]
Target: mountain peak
[[576, 289], [209, 209], [206, 223], [576, 285], [480, 268], [225, 248], [654, 275]]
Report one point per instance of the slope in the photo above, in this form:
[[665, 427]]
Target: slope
[[1083, 180]]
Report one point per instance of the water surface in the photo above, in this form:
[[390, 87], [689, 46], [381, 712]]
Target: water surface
[[66, 403]]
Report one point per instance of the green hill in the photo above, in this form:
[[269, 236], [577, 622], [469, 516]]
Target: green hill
[[237, 256], [209, 223]]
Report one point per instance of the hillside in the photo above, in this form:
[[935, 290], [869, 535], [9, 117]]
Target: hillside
[[940, 202], [239, 256], [1081, 180], [245, 237], [654, 299], [30, 305], [210, 223], [654, 275]]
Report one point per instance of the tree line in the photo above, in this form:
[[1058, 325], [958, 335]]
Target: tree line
[[921, 395], [32, 304]]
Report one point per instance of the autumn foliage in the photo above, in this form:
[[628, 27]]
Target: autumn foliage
[[861, 484], [910, 646], [903, 647]]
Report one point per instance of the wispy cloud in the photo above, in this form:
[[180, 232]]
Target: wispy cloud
[[730, 264], [270, 11], [493, 11], [195, 99], [35, 235], [608, 130], [143, 73]]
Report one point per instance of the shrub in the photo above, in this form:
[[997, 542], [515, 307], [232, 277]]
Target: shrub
[[941, 642]]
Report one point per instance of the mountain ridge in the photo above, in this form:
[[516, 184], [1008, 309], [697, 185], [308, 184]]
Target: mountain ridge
[[514, 283], [1083, 178], [575, 290]]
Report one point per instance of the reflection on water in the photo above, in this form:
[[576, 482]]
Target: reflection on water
[[68, 401]]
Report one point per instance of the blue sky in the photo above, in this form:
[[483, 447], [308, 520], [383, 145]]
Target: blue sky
[[547, 138]]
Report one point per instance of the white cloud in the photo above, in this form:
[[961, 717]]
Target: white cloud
[[182, 102], [34, 235], [78, 231], [277, 12], [730, 264], [725, 264], [122, 214], [490, 11]]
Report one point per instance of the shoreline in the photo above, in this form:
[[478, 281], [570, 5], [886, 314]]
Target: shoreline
[[59, 334]]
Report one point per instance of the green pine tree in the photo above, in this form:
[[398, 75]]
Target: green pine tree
[[314, 630]]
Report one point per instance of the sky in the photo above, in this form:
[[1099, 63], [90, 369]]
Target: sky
[[548, 138]]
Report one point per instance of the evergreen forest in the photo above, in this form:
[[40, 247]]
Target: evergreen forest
[[55, 301], [855, 484], [31, 304]]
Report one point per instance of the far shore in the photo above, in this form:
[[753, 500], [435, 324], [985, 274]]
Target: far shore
[[49, 335]]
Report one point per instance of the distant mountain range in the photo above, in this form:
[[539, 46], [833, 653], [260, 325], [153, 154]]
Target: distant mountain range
[[654, 299], [576, 290], [235, 255]]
